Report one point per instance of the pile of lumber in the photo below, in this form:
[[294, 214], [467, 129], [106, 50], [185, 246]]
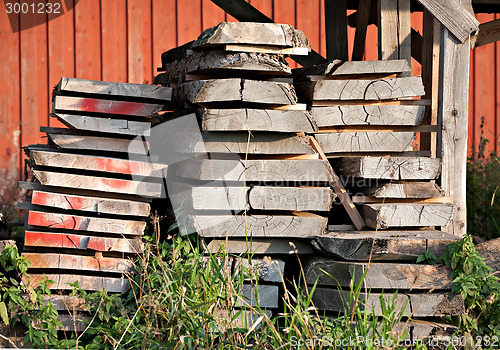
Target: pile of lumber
[[92, 186]]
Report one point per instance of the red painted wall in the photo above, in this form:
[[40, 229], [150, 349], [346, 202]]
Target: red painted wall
[[122, 40]]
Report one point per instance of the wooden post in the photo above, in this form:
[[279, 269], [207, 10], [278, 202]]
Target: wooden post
[[453, 118], [362, 21], [394, 30], [336, 30]]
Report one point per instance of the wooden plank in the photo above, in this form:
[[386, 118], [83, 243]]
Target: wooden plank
[[90, 204], [378, 275], [377, 128], [94, 163], [241, 318], [489, 32], [263, 270], [339, 68], [82, 242], [454, 16], [164, 20], [386, 215], [394, 30], [242, 143], [405, 190], [336, 30], [108, 125], [453, 118], [262, 198], [89, 283], [295, 225], [87, 21], [414, 305], [65, 302], [94, 183], [92, 105], [362, 21], [245, 12], [78, 262], [260, 246], [325, 103], [383, 245], [381, 89], [390, 168], [265, 296], [277, 50], [139, 41], [85, 223], [106, 88], [99, 143], [113, 41], [255, 170], [257, 120], [337, 142], [234, 89], [362, 199], [368, 115]]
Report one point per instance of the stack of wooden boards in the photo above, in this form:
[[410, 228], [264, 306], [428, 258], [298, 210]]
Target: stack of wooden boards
[[367, 125], [93, 184]]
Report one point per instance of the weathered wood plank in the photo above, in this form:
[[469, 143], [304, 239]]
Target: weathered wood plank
[[264, 270], [489, 32], [90, 204], [89, 283], [97, 143], [378, 275], [103, 184], [82, 242], [241, 317], [85, 223], [107, 88], [362, 21], [390, 168], [260, 246], [454, 17], [257, 120], [65, 302], [336, 30], [93, 105], [381, 89], [386, 215], [368, 115], [383, 245], [405, 190], [108, 125], [298, 225], [338, 142], [251, 33], [394, 30], [78, 262], [235, 89], [262, 198], [265, 296], [94, 163], [306, 170]]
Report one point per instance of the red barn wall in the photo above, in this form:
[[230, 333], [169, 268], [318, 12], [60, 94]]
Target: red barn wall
[[122, 40]]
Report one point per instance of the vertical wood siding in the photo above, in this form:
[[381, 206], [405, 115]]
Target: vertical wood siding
[[122, 40]]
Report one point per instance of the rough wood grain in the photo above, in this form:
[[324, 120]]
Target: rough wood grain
[[405, 190], [82, 242], [362, 21], [260, 246], [394, 30], [262, 198], [489, 250], [489, 32], [108, 125], [338, 142], [382, 89], [263, 270], [90, 204], [338, 68], [336, 29], [94, 183], [293, 225], [89, 283], [251, 33], [383, 245], [65, 302], [368, 115], [389, 168], [386, 215], [94, 163], [454, 17], [113, 107], [97, 143], [78, 262], [257, 120], [235, 89], [106, 88], [265, 296], [306, 170], [378, 275]]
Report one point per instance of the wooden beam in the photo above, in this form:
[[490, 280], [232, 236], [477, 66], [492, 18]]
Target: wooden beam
[[336, 30], [244, 12], [405, 190], [488, 33], [362, 21], [99, 143], [454, 16], [89, 283], [107, 125], [453, 117], [362, 141], [260, 246]]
